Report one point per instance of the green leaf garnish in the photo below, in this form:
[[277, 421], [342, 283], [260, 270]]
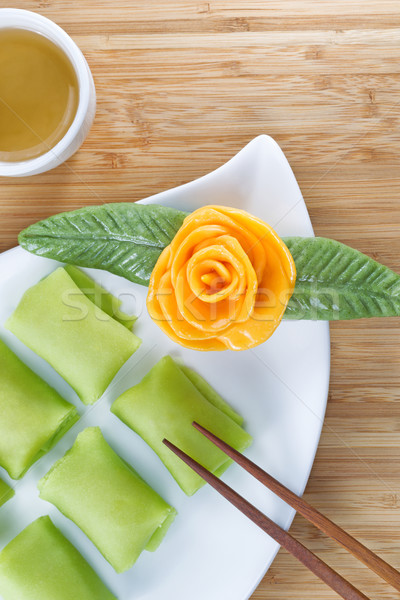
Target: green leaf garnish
[[338, 282], [333, 280], [124, 238]]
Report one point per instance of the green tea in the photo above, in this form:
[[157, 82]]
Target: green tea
[[39, 94]]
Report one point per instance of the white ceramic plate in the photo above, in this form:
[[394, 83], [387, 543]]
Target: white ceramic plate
[[211, 552]]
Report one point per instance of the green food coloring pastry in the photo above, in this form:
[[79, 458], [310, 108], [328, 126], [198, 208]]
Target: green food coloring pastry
[[33, 415], [99, 296], [164, 405], [107, 499], [82, 342], [6, 492], [41, 564]]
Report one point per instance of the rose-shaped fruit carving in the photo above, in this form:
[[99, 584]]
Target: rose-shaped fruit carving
[[223, 282]]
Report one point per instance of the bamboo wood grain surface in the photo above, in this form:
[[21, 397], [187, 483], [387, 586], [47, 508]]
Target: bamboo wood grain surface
[[182, 86]]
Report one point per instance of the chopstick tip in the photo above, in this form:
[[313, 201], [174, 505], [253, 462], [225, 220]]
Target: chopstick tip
[[198, 426], [171, 446]]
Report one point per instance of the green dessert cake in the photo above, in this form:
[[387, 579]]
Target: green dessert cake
[[164, 405], [120, 513], [59, 322], [33, 415], [41, 564]]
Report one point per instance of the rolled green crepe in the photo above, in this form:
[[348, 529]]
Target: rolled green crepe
[[6, 492], [41, 564], [33, 415], [82, 342], [107, 499], [164, 405], [212, 396], [99, 296]]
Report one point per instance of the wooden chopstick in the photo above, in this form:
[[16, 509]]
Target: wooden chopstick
[[345, 589], [364, 554]]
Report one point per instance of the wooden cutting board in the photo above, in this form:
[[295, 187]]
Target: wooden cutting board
[[182, 86]]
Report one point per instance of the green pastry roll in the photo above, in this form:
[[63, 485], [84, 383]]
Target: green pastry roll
[[82, 342], [164, 405], [41, 564], [210, 394], [99, 296], [107, 499], [6, 492], [33, 415]]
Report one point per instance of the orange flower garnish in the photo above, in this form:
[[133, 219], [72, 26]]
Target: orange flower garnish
[[223, 282]]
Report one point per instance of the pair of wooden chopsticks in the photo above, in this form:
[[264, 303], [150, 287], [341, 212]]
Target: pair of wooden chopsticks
[[311, 561]]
